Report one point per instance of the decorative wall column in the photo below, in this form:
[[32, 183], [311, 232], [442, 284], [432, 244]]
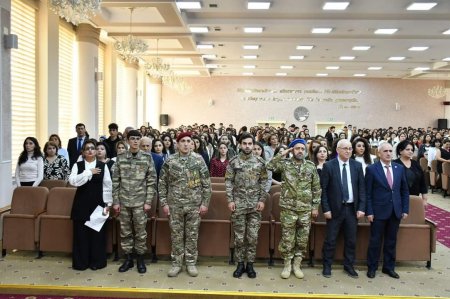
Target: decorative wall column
[[153, 98], [87, 106], [447, 99], [126, 96]]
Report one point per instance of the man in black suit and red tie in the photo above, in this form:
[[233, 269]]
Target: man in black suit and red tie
[[343, 203], [75, 144], [387, 203]]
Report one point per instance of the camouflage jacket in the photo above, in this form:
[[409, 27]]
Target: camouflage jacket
[[300, 190], [134, 179], [246, 180], [184, 181]]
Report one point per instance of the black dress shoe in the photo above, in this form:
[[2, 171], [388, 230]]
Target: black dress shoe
[[240, 269], [93, 268], [391, 273], [371, 274], [250, 271], [351, 272], [326, 272]]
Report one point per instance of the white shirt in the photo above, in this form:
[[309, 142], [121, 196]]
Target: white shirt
[[76, 179], [390, 170], [32, 170], [349, 178]]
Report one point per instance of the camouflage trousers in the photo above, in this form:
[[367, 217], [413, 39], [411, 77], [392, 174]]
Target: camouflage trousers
[[294, 233], [184, 225], [246, 228], [132, 230]]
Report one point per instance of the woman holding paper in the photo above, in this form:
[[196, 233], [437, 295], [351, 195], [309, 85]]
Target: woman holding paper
[[94, 188]]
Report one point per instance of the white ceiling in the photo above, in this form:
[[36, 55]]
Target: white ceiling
[[287, 24]]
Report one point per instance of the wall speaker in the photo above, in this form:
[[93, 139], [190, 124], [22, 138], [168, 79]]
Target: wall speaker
[[442, 123], [164, 119]]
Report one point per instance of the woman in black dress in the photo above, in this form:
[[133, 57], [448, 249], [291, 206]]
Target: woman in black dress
[[443, 154], [414, 173], [94, 188]]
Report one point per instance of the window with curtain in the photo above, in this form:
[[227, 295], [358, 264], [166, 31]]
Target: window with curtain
[[66, 94], [23, 77], [101, 87]]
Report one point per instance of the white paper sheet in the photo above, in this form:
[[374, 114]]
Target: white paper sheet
[[97, 219]]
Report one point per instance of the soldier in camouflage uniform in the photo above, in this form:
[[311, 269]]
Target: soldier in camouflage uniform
[[245, 180], [300, 198], [184, 193], [134, 186]]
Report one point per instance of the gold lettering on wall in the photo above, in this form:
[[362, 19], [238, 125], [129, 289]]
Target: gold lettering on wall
[[346, 99]]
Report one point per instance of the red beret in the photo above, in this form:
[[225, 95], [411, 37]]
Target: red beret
[[184, 134]]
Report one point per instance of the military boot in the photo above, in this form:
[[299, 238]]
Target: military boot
[[141, 264], [287, 269], [298, 267], [192, 270], [128, 264], [240, 269], [173, 272], [250, 271]]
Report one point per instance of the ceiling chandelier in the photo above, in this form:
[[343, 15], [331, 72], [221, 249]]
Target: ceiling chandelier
[[131, 48], [75, 11]]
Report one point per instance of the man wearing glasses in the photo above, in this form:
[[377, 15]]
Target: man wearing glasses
[[343, 203], [134, 186]]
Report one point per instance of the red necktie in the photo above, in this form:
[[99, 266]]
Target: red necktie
[[388, 176]]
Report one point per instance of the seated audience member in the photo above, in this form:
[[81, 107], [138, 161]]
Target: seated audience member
[[30, 165], [219, 162], [56, 166], [361, 153], [414, 173], [431, 155], [94, 188], [61, 151], [443, 155], [102, 155]]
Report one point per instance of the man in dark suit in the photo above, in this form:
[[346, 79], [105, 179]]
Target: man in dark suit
[[75, 144], [343, 203], [387, 203], [331, 135]]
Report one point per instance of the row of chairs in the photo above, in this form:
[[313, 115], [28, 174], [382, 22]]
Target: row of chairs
[[39, 219], [435, 180]]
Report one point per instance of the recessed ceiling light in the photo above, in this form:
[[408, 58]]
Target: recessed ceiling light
[[205, 46], [359, 75], [321, 75], [305, 47], [421, 68], [446, 32], [253, 29], [335, 5], [211, 66], [386, 31], [189, 5], [249, 66], [281, 74], [421, 6], [347, 57], [361, 48], [374, 68], [209, 56], [250, 56], [198, 29], [418, 48], [397, 58], [250, 47], [446, 59], [258, 5], [296, 57], [247, 74], [321, 30], [332, 67], [286, 67]]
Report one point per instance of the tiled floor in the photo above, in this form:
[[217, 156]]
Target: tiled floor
[[216, 275]]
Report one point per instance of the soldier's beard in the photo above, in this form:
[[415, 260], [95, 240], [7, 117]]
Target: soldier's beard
[[298, 157], [247, 151]]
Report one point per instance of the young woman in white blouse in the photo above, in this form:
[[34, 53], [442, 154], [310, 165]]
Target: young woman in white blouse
[[361, 153], [30, 166]]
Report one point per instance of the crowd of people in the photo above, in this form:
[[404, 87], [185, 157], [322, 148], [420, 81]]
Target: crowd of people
[[340, 170]]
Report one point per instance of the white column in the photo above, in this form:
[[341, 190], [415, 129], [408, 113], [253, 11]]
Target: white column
[[447, 99], [153, 99], [126, 96], [87, 106]]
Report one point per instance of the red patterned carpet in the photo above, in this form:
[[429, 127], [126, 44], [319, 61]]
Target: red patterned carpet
[[442, 219]]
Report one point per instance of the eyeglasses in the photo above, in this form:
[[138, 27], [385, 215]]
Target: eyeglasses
[[133, 138], [89, 148], [346, 149]]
